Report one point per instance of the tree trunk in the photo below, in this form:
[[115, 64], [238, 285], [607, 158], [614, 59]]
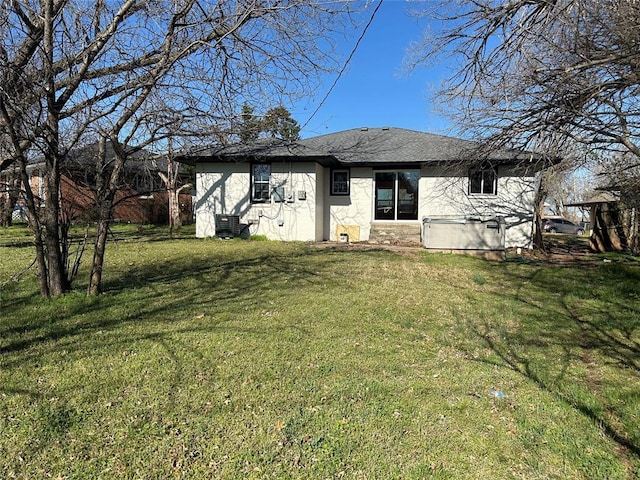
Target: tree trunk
[[95, 279], [634, 231], [107, 185], [57, 278], [170, 180], [538, 241], [6, 211], [9, 200], [174, 209], [57, 275], [41, 261], [607, 235], [35, 225]]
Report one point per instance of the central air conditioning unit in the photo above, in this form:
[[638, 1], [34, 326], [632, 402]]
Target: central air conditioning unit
[[227, 226]]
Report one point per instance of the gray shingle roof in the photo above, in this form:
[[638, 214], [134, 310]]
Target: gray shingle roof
[[85, 157], [389, 145], [264, 148], [359, 146]]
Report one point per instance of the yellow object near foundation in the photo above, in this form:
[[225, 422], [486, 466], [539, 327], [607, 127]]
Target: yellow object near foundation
[[347, 233]]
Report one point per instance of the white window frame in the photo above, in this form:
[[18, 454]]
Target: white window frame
[[260, 181]]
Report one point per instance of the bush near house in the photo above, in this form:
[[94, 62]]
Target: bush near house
[[240, 359]]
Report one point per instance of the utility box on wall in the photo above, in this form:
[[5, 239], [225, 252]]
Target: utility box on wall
[[278, 194]]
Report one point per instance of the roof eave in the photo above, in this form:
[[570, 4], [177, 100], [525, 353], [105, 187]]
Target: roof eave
[[324, 160]]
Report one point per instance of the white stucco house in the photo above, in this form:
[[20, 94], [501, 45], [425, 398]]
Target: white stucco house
[[359, 184]]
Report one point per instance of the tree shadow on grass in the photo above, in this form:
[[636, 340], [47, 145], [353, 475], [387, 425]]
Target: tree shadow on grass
[[156, 292], [589, 315], [144, 297]]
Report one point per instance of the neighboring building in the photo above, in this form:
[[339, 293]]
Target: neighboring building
[[141, 198], [365, 185]]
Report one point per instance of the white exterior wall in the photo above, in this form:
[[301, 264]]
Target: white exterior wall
[[353, 209], [219, 190], [444, 193], [224, 188], [321, 194]]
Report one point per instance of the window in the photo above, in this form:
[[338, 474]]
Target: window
[[340, 182], [484, 181], [260, 182]]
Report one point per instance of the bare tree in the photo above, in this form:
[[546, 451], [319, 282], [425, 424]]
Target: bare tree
[[566, 183], [542, 74], [131, 71]]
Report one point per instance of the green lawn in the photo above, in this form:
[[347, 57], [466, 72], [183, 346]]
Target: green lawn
[[244, 359]]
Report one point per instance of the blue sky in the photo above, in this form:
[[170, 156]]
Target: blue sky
[[374, 91]]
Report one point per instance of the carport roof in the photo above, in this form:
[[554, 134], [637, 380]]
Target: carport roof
[[602, 196]]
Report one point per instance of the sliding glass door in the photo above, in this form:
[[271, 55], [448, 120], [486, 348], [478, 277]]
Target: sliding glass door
[[396, 195]]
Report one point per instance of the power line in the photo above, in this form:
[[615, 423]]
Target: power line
[[344, 67]]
